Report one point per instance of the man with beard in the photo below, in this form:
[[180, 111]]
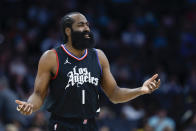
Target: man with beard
[[73, 74]]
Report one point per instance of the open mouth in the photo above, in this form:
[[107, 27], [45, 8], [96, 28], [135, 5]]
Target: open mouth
[[86, 36]]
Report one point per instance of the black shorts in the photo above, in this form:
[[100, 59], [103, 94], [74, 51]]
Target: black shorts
[[71, 124]]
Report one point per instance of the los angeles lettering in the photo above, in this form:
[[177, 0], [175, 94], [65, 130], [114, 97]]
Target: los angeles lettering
[[80, 76]]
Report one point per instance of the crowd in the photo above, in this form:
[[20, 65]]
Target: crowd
[[139, 37]]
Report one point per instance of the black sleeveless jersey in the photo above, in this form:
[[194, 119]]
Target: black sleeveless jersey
[[74, 88]]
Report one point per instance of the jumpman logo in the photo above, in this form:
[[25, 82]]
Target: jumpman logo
[[67, 62]]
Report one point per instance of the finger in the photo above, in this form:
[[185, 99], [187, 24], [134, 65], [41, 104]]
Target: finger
[[29, 109], [27, 113], [26, 108], [19, 102], [32, 107], [18, 108], [153, 77], [158, 83], [153, 84], [150, 88], [23, 106]]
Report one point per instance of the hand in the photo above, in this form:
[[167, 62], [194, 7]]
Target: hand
[[150, 85], [25, 108]]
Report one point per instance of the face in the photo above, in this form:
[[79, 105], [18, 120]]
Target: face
[[81, 36]]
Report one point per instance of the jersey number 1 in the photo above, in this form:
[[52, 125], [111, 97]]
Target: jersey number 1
[[83, 96]]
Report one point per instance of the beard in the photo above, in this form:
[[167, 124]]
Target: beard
[[80, 42]]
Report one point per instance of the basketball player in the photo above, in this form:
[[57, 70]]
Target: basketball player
[[70, 76]]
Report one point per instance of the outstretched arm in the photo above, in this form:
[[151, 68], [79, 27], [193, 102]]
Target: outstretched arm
[[47, 64], [120, 95]]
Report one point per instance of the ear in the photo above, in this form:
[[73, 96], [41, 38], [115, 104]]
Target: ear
[[68, 31]]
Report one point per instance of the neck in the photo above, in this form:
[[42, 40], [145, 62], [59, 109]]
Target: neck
[[76, 52]]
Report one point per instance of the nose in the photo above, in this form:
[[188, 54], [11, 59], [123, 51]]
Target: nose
[[87, 28]]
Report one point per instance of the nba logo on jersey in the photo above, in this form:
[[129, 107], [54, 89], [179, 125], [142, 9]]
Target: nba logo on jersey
[[85, 121], [55, 126], [66, 62]]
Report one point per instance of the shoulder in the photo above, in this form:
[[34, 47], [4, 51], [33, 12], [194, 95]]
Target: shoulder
[[49, 54], [102, 57], [100, 54], [48, 58]]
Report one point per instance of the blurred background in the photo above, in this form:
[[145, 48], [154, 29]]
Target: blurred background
[[139, 37]]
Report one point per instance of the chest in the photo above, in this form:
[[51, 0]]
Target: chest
[[79, 73]]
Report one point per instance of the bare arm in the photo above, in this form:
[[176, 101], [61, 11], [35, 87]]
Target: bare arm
[[120, 95], [47, 64]]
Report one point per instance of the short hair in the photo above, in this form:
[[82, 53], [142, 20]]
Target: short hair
[[66, 22]]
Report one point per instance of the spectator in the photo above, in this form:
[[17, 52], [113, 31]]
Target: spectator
[[161, 121]]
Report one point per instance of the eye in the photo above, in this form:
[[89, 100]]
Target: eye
[[80, 24]]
